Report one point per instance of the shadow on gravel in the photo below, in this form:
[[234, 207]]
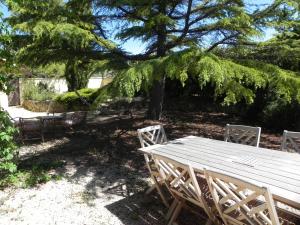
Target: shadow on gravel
[[104, 157], [139, 209], [107, 150]]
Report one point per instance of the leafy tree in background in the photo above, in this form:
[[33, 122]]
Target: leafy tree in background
[[179, 36], [57, 31], [284, 48], [278, 103], [168, 26]]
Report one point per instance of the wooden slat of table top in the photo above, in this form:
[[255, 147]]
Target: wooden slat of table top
[[280, 171], [286, 167]]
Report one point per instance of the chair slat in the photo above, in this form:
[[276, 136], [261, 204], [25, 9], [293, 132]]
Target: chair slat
[[291, 141], [242, 134], [182, 183], [239, 202], [150, 136]]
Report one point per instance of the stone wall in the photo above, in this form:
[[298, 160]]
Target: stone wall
[[36, 106]]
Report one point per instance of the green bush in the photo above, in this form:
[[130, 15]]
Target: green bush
[[8, 149], [74, 101], [37, 92]]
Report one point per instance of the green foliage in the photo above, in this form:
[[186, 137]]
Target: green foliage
[[165, 25], [57, 32], [233, 81], [74, 101], [37, 92], [7, 59], [32, 176], [277, 105], [54, 70], [8, 149]]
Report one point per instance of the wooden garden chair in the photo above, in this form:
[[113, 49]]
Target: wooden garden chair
[[184, 187], [242, 134], [31, 129], [242, 203], [291, 141], [150, 136]]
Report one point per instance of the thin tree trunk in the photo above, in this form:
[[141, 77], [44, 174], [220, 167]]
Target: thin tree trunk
[[70, 76], [157, 99], [157, 92]]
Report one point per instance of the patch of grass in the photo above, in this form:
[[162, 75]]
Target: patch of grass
[[32, 176]]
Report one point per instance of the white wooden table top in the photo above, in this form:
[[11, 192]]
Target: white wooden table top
[[277, 170]]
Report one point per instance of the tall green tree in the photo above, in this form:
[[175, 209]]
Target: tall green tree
[[286, 45], [57, 31], [77, 33], [168, 26], [284, 48]]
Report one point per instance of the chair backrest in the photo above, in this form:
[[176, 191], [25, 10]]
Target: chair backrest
[[240, 202], [181, 181], [291, 141], [152, 135], [242, 134], [30, 124]]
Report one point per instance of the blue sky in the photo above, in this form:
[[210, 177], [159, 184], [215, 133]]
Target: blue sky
[[135, 46]]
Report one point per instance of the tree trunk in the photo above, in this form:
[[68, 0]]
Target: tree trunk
[[70, 76], [157, 92], [75, 79], [157, 99]]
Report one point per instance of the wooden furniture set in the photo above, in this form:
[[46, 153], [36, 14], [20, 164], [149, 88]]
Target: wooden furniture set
[[37, 127], [232, 181]]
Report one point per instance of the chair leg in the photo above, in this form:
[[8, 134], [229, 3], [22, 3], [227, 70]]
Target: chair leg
[[42, 137], [150, 189], [175, 213], [208, 222], [171, 209], [163, 198], [156, 183]]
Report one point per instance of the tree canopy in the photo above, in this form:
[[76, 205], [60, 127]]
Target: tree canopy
[[180, 36], [57, 31]]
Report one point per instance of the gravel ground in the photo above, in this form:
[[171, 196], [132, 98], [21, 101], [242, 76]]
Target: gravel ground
[[87, 195], [104, 177]]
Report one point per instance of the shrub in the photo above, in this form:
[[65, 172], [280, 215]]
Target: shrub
[[8, 149], [37, 92], [74, 101]]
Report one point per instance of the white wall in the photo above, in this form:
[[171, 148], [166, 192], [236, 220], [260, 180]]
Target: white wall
[[95, 82], [3, 100], [60, 85]]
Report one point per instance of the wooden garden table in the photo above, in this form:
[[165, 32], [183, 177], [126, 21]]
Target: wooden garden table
[[277, 170]]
